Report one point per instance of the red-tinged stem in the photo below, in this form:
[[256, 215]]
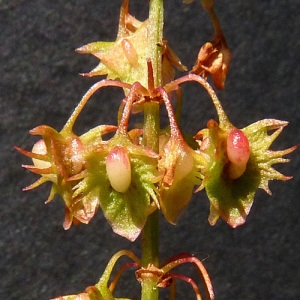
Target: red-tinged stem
[[108, 270], [70, 123], [224, 122], [189, 281], [182, 259], [129, 100], [171, 115], [215, 21], [119, 274]]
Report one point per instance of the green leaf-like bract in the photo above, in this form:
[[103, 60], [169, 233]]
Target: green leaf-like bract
[[126, 212], [231, 199]]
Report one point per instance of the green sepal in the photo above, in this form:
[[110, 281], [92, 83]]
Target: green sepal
[[181, 166], [127, 211], [126, 58], [231, 199]]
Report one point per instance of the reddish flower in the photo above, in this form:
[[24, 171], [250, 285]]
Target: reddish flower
[[58, 157], [214, 58]]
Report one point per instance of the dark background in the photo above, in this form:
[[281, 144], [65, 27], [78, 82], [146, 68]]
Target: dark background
[[39, 84]]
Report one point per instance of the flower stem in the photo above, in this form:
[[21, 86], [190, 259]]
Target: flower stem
[[156, 22], [150, 255], [150, 233]]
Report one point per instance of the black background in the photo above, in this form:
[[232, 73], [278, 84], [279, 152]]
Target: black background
[[39, 84]]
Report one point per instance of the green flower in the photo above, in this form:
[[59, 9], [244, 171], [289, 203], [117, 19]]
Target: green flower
[[126, 58], [121, 176], [181, 166], [239, 162], [86, 172]]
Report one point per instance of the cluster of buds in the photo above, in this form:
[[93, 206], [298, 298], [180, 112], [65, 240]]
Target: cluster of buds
[[129, 180]]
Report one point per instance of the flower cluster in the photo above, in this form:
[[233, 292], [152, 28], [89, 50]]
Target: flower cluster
[[129, 180]]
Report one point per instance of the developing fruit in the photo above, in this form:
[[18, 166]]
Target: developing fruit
[[118, 169], [238, 152]]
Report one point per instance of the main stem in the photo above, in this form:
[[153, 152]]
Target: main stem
[[150, 233]]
